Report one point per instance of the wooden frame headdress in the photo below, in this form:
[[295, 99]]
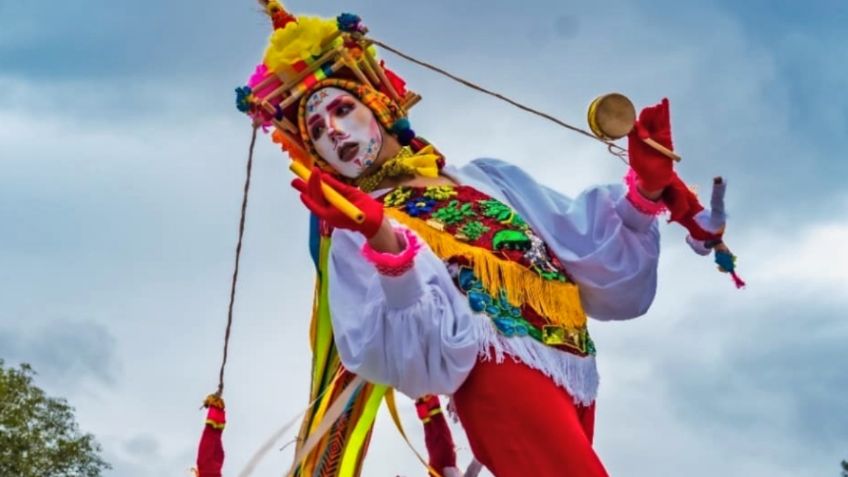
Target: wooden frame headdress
[[303, 52]]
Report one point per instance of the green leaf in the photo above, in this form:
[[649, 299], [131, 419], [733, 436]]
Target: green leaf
[[39, 435]]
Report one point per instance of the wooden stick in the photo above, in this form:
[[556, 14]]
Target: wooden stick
[[288, 125], [410, 100], [266, 81], [298, 94], [285, 126], [284, 129], [659, 147], [337, 200], [351, 64], [303, 74], [375, 80], [326, 41], [382, 75]]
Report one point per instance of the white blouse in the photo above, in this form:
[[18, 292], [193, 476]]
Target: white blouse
[[417, 332]]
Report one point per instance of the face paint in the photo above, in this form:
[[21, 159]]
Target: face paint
[[344, 131]]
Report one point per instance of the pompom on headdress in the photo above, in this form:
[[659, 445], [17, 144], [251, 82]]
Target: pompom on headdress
[[307, 53]]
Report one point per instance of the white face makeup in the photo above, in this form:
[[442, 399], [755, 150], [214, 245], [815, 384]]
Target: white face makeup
[[344, 131]]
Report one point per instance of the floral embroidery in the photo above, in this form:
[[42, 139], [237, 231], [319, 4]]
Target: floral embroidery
[[397, 197], [440, 192], [501, 212], [419, 206], [471, 216], [472, 231], [454, 212]]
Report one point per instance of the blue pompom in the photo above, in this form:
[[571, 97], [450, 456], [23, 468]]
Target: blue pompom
[[349, 23], [243, 100], [406, 136], [726, 261], [400, 125]]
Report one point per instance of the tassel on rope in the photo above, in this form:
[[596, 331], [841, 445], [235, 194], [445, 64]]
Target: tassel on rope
[[726, 262], [210, 451], [437, 435]]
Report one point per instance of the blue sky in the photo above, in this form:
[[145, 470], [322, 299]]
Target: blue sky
[[122, 163]]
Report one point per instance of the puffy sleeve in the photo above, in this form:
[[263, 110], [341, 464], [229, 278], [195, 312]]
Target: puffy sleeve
[[610, 248], [413, 332]]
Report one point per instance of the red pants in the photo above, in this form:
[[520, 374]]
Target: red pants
[[520, 423]]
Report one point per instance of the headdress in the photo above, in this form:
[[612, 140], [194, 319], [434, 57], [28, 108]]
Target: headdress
[[308, 53]]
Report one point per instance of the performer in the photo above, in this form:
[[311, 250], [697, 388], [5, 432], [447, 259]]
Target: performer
[[473, 282]]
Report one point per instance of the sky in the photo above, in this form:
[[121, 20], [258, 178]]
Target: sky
[[121, 169]]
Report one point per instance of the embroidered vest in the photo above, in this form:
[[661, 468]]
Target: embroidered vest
[[498, 262]]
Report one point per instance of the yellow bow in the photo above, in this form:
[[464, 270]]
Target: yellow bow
[[423, 162]]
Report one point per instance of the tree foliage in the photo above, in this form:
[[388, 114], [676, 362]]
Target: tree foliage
[[845, 468], [39, 436]]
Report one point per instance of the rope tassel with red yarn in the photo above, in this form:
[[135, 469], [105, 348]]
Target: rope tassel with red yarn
[[437, 435], [210, 452]]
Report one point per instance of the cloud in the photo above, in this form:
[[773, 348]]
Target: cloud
[[142, 455], [144, 446], [725, 388], [65, 353], [812, 259], [776, 374]]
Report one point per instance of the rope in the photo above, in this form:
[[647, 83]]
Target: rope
[[238, 256], [613, 148]]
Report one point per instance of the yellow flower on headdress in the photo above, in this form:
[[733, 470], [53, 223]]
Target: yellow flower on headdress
[[298, 41]]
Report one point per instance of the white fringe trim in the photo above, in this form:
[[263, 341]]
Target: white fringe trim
[[576, 374]]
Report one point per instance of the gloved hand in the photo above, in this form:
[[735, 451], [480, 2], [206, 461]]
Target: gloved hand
[[654, 169], [313, 197]]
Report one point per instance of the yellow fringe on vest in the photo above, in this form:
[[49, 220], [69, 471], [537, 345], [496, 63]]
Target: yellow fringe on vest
[[557, 301]]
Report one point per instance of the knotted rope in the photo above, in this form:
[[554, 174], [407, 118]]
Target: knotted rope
[[220, 390]]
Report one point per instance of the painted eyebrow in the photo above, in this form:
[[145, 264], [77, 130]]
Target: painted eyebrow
[[336, 103], [313, 119]]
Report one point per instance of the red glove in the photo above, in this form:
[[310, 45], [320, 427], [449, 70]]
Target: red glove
[[654, 169], [313, 197]]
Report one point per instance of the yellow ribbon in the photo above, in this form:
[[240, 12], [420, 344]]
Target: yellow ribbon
[[350, 457], [422, 163]]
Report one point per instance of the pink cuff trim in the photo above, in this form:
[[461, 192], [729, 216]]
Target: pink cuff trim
[[394, 265], [639, 201]]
